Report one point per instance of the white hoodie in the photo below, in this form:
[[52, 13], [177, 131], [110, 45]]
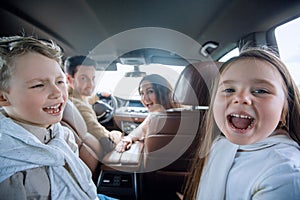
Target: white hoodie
[[20, 150]]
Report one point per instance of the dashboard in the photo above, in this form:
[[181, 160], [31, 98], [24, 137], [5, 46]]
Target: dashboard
[[129, 115], [134, 103]]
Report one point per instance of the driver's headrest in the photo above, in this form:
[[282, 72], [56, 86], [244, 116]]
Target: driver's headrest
[[194, 83]]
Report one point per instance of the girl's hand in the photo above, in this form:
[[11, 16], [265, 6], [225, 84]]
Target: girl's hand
[[124, 144]]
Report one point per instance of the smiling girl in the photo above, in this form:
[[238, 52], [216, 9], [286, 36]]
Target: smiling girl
[[251, 147]]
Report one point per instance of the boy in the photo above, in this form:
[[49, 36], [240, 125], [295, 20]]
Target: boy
[[39, 158]]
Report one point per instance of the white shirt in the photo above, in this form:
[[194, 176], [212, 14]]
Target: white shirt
[[266, 170]]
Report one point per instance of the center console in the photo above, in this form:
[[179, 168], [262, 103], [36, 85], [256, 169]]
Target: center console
[[129, 118], [118, 184], [118, 177]]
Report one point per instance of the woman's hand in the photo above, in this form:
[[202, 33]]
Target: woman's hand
[[124, 144]]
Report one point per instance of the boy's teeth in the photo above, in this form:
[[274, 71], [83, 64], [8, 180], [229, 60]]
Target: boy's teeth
[[53, 107], [53, 111]]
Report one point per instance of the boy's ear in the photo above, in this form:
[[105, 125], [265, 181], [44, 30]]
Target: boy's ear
[[3, 100]]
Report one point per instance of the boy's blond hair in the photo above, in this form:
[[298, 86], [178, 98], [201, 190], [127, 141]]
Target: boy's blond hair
[[14, 46]]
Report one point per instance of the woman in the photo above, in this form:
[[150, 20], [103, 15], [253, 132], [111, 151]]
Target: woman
[[156, 95]]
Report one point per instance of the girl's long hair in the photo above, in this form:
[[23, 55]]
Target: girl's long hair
[[290, 113]]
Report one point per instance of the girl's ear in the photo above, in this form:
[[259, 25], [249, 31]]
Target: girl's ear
[[3, 99]]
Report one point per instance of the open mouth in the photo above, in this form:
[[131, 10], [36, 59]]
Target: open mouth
[[241, 122], [55, 109]]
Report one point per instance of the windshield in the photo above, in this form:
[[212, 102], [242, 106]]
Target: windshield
[[122, 86]]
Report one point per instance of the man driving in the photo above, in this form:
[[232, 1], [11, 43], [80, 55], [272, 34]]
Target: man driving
[[80, 71]]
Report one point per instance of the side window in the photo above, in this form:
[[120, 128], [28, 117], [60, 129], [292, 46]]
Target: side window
[[287, 37], [230, 54]]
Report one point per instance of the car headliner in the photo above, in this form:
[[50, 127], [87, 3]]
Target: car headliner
[[79, 25]]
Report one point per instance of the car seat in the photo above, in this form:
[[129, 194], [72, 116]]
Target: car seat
[[172, 136], [90, 150]]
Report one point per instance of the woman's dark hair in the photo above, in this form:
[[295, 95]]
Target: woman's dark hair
[[162, 88]]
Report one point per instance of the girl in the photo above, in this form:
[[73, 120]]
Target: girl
[[156, 95], [251, 147]]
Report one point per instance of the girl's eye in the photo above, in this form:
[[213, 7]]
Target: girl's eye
[[228, 90], [260, 91]]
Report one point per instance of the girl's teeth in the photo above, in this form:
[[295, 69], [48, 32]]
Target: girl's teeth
[[241, 121], [241, 116]]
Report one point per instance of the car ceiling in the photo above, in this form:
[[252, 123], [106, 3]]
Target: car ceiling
[[78, 26]]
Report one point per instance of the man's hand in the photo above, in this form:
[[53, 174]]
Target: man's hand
[[103, 94]]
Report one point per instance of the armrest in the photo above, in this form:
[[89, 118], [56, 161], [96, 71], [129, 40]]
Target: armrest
[[131, 158]]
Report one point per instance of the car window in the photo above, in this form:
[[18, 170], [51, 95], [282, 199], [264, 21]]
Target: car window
[[230, 54], [287, 37]]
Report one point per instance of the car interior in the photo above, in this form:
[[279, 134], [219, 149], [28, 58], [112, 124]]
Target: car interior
[[185, 41]]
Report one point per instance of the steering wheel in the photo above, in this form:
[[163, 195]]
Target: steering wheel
[[105, 108]]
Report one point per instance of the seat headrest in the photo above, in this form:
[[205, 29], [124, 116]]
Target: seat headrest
[[74, 119], [194, 83]]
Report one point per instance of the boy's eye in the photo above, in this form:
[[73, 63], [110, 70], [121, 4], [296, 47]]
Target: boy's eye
[[37, 86], [61, 82]]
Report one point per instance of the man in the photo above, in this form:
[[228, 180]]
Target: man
[[80, 71]]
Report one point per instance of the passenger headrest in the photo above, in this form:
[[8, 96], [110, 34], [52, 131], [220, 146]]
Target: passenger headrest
[[194, 83], [74, 119]]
